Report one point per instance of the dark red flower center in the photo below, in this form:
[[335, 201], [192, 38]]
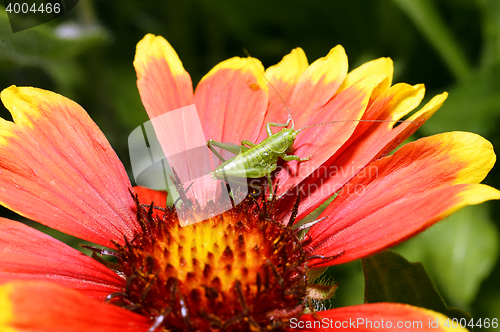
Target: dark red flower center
[[238, 271]]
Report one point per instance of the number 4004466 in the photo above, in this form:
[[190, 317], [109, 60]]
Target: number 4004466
[[25, 8], [481, 323]]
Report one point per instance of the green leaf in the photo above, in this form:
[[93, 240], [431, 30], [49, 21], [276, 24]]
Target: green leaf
[[459, 252], [389, 277]]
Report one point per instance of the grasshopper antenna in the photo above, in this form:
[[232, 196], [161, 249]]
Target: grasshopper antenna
[[290, 118], [359, 120], [318, 124]]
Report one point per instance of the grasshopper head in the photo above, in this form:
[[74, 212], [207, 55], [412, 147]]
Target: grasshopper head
[[293, 136]]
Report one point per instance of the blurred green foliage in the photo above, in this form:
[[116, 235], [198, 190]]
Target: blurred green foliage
[[459, 252], [389, 277], [451, 45]]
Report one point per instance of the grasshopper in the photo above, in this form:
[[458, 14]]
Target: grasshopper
[[257, 160], [260, 160]]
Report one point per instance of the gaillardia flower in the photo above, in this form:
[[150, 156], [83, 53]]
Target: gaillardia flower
[[246, 269]]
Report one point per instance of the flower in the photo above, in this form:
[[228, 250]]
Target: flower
[[245, 269]]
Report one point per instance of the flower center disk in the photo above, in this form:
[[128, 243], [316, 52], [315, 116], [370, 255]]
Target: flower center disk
[[238, 271]]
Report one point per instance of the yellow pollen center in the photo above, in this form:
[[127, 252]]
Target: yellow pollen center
[[239, 271]]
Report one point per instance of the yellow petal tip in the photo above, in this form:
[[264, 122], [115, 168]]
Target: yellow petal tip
[[289, 68], [244, 65], [334, 65], [5, 308], [152, 48]]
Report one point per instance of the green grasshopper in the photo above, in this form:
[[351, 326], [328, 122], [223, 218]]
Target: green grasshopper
[[259, 160]]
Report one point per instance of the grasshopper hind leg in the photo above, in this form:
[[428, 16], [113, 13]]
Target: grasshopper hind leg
[[248, 143], [234, 149], [211, 143]]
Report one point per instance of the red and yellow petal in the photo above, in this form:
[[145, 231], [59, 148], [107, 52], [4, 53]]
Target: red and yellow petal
[[379, 70], [390, 105], [317, 85], [46, 307], [398, 101], [377, 138], [56, 167], [232, 100], [399, 196], [164, 84], [283, 77], [376, 317], [167, 94], [374, 141], [27, 254]]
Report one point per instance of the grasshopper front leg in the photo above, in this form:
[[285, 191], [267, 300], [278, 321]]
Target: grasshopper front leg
[[287, 157], [268, 126], [271, 191]]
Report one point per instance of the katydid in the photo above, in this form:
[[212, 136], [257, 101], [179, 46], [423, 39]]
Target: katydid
[[259, 160]]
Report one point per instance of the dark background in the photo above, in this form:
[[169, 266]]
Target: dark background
[[450, 45]]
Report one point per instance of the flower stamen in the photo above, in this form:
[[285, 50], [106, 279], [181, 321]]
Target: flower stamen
[[239, 271]]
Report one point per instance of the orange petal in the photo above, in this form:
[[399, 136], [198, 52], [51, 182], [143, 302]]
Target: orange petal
[[283, 77], [56, 167], [27, 254], [167, 94], [232, 100], [374, 141], [399, 196], [163, 82], [45, 307], [317, 85], [375, 317]]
